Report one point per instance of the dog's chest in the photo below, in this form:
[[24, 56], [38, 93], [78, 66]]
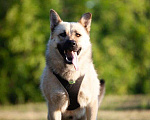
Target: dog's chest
[[72, 90]]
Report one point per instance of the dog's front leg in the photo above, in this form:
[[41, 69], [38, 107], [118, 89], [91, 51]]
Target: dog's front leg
[[91, 110], [53, 114]]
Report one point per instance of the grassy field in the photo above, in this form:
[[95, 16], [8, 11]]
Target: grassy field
[[112, 108]]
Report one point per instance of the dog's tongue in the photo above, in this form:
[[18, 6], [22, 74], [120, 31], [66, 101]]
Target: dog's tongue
[[75, 60]]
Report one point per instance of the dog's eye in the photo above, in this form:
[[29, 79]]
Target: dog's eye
[[78, 35], [63, 34]]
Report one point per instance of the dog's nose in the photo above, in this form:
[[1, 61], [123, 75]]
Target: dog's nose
[[70, 45], [73, 43]]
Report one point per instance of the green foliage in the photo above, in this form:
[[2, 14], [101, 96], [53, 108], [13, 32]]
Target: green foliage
[[119, 33], [121, 40]]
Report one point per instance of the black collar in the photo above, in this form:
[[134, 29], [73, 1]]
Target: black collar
[[72, 90]]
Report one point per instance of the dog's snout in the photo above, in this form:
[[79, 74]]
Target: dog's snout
[[70, 45], [73, 43]]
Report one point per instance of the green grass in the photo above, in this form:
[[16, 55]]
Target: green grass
[[131, 107]]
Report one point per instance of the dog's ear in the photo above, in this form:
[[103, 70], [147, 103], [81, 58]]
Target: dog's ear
[[85, 20], [54, 19]]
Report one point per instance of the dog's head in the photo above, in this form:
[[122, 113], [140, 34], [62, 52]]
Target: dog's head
[[72, 38]]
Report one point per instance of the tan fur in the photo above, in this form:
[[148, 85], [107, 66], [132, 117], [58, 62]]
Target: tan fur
[[55, 94]]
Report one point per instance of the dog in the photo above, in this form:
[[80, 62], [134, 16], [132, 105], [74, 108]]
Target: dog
[[69, 81]]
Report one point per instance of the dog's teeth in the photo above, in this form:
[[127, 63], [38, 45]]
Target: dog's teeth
[[68, 60]]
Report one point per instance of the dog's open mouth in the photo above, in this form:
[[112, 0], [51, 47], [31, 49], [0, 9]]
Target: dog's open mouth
[[70, 56]]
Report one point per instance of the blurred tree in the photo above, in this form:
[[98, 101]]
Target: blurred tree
[[122, 37]]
